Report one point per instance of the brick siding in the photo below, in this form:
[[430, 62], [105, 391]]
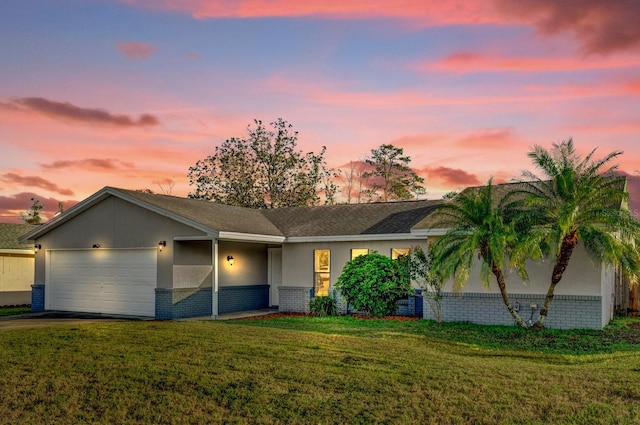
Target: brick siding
[[242, 298], [37, 298], [565, 311], [294, 298], [179, 303]]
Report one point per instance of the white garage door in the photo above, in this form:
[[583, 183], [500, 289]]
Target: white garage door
[[117, 281]]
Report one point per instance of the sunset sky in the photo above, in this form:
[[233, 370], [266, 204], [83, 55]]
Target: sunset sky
[[131, 93]]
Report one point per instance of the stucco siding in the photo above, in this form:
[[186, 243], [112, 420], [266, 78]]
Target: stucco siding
[[249, 264], [581, 277], [297, 258], [582, 299], [608, 294], [114, 223]]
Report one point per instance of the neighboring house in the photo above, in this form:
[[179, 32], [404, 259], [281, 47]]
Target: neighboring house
[[133, 253], [16, 264]]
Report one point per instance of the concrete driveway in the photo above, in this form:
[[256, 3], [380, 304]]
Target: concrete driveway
[[53, 318]]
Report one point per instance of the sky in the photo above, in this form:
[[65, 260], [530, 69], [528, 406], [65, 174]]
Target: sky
[[131, 93]]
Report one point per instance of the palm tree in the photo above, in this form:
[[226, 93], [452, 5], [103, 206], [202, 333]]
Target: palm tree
[[578, 200], [486, 225]]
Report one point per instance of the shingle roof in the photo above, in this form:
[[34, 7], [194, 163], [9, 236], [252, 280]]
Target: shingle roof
[[319, 221], [351, 219], [212, 215], [499, 191], [10, 233]]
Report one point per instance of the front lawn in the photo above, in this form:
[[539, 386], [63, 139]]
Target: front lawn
[[303, 370], [13, 311]]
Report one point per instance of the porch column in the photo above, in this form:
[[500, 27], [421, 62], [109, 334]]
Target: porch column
[[214, 284]]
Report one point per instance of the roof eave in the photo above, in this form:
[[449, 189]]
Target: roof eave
[[250, 237], [353, 238], [429, 232]]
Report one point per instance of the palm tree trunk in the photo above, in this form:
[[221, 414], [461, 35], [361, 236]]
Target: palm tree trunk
[[497, 272], [569, 242]]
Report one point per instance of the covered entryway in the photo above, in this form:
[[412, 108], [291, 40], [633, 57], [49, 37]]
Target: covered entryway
[[114, 281]]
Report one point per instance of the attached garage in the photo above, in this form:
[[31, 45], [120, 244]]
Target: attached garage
[[114, 281]]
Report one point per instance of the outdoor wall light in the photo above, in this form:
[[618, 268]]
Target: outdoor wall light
[[230, 259], [96, 245], [161, 245], [37, 247]]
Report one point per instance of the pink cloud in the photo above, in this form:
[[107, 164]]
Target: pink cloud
[[70, 113], [136, 50], [430, 12], [34, 181], [599, 26], [633, 86], [450, 176], [489, 138], [463, 62], [91, 164], [12, 207]]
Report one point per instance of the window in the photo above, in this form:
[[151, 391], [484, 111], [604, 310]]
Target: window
[[356, 252], [321, 271], [398, 252]]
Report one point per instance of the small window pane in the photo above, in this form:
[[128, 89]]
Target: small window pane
[[321, 272], [397, 252], [356, 252], [321, 284], [321, 260]]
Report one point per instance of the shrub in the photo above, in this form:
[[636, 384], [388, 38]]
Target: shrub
[[418, 264], [323, 306], [374, 283]]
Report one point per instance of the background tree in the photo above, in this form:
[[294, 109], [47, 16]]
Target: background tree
[[263, 171], [391, 178], [580, 200], [374, 283], [489, 227], [355, 182], [32, 215]]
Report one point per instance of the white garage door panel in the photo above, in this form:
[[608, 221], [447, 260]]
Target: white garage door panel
[[103, 281]]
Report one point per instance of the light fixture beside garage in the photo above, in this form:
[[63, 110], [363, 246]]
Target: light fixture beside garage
[[96, 245], [161, 245], [230, 259], [37, 247]]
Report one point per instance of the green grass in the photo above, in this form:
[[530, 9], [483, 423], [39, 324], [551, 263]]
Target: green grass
[[12, 311], [306, 370], [622, 334]]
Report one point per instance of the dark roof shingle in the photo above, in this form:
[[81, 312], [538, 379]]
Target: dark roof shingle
[[209, 214], [10, 233], [351, 219]]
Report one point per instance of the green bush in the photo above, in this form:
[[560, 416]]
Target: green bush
[[374, 283], [323, 306]]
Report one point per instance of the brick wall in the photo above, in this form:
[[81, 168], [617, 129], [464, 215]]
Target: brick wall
[[242, 298], [410, 306], [565, 311], [179, 303], [37, 298], [294, 298]]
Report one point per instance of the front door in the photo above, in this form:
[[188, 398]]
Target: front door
[[275, 275]]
